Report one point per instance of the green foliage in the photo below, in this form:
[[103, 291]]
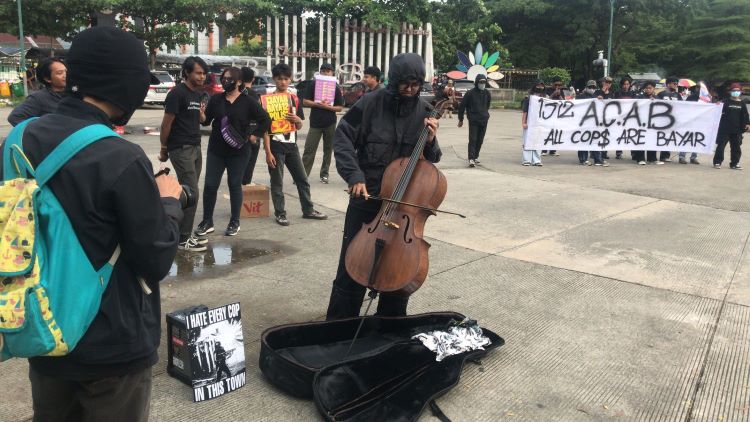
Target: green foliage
[[56, 18], [459, 25], [251, 47], [548, 73]]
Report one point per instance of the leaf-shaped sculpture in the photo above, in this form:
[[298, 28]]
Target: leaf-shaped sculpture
[[492, 59], [471, 59], [462, 68], [478, 51], [484, 58], [493, 83], [463, 59], [495, 75], [493, 68]]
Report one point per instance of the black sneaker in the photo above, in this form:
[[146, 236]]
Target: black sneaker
[[281, 219], [201, 240], [233, 228], [191, 245], [204, 228], [315, 215]]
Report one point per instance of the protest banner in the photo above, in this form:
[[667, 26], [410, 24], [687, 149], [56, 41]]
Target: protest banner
[[206, 350], [278, 106], [325, 89], [641, 125]]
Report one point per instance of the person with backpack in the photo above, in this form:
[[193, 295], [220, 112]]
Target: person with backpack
[[123, 220], [229, 147]]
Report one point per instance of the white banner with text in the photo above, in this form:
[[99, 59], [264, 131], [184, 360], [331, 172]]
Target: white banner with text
[[641, 125]]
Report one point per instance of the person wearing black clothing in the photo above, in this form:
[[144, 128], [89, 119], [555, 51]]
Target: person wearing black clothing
[[322, 123], [647, 156], [239, 111], [669, 94], [52, 72], [583, 156], [382, 126], [555, 92], [248, 76], [220, 356], [605, 93], [476, 105], [181, 140], [109, 193], [624, 94], [734, 121], [371, 78]]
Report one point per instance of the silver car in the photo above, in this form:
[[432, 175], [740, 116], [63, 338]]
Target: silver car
[[158, 93]]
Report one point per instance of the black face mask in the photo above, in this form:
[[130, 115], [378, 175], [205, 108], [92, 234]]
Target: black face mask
[[228, 85], [537, 89]]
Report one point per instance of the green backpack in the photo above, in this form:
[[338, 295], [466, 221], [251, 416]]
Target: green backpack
[[49, 291]]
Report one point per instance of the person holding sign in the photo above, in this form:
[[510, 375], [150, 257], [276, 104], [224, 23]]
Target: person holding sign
[[669, 94], [530, 157], [734, 121], [280, 145], [650, 156], [324, 98], [583, 156]]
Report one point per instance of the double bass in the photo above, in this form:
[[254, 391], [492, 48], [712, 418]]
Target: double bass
[[389, 254]]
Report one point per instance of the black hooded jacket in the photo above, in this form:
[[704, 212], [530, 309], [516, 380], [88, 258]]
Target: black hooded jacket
[[476, 103], [36, 104], [381, 127]]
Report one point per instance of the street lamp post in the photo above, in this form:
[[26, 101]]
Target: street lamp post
[[611, 19], [23, 50]]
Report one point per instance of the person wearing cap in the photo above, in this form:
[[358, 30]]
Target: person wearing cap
[[476, 105], [52, 73], [734, 122], [109, 193], [322, 123], [380, 127], [530, 157], [643, 157], [371, 78], [669, 94], [555, 92], [181, 140]]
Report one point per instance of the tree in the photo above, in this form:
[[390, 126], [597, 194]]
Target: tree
[[459, 25], [56, 18]]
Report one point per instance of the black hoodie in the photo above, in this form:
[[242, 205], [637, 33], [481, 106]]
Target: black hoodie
[[476, 103], [381, 127]]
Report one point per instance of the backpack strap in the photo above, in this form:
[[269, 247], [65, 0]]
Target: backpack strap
[[69, 147], [14, 144]]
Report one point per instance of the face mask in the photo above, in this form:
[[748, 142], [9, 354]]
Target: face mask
[[536, 89], [736, 94], [481, 86], [589, 90], [228, 85]]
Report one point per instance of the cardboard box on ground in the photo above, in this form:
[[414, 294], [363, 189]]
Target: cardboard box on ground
[[255, 201]]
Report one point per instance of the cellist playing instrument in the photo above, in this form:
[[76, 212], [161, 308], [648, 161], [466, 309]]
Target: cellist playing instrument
[[382, 126]]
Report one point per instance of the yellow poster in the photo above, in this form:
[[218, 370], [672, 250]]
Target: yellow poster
[[278, 106]]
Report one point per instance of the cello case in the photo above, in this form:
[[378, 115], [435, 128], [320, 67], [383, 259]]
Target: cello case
[[386, 376]]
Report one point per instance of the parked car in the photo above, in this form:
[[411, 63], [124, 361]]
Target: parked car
[[158, 93], [213, 85], [427, 93], [261, 85], [461, 87]]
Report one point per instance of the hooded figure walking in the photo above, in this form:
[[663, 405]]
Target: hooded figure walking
[[476, 105], [382, 126]]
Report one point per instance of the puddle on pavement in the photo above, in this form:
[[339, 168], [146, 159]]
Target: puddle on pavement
[[224, 257]]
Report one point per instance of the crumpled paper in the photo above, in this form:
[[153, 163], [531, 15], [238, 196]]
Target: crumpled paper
[[459, 337]]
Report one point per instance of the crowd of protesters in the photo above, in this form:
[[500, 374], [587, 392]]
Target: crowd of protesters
[[734, 118]]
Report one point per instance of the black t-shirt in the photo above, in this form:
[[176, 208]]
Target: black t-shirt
[[606, 96], [731, 119], [669, 96], [320, 118], [525, 102], [625, 95], [242, 113], [185, 104]]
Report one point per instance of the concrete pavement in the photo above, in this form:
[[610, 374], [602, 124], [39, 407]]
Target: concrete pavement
[[623, 293]]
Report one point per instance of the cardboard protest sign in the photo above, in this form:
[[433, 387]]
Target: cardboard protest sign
[[325, 89], [206, 350], [278, 106], [642, 125]]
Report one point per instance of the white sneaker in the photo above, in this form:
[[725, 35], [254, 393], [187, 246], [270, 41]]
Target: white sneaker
[[543, 154], [526, 164], [641, 163], [471, 163], [717, 166], [191, 245]]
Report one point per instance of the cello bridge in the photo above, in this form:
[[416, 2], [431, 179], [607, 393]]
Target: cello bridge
[[391, 225]]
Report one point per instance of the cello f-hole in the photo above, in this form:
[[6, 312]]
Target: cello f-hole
[[406, 229]]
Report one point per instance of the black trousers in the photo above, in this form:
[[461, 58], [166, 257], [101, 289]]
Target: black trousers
[[664, 155], [476, 138], [215, 166], [247, 178], [735, 141], [113, 399], [347, 295]]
